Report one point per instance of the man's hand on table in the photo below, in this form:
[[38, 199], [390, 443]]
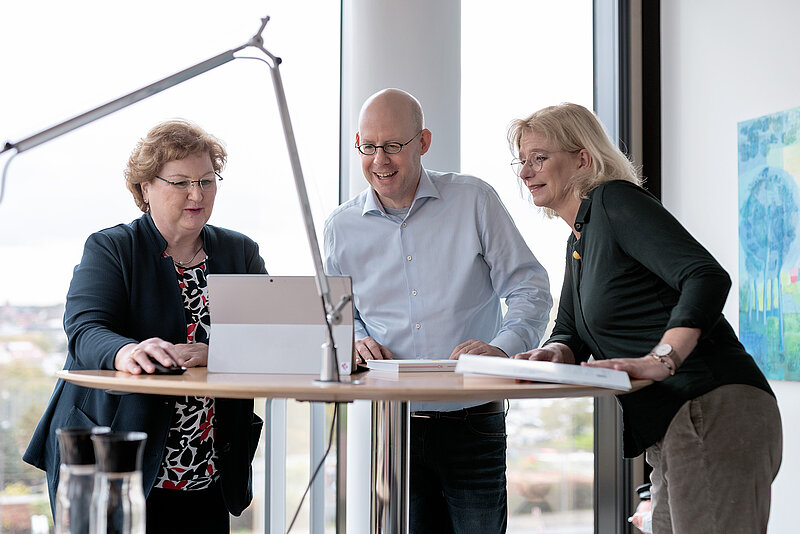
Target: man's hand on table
[[369, 349], [474, 346]]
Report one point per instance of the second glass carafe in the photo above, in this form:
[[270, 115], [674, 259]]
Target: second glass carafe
[[118, 503]]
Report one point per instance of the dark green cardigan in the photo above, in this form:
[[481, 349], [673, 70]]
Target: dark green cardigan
[[641, 273]]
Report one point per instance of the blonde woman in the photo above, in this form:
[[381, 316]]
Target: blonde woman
[[641, 295]]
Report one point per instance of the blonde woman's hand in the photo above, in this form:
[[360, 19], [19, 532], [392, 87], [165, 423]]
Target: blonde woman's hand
[[644, 367], [552, 352]]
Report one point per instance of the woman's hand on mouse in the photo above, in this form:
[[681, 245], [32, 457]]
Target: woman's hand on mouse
[[137, 357]]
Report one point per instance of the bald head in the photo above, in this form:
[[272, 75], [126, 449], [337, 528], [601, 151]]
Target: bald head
[[394, 104]]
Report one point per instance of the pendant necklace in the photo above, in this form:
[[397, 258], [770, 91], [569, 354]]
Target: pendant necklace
[[185, 263]]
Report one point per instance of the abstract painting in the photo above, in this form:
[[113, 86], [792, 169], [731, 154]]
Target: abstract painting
[[769, 244]]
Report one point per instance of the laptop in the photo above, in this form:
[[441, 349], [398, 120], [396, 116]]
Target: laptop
[[275, 324]]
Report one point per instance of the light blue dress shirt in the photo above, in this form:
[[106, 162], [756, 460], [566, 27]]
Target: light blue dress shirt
[[426, 282]]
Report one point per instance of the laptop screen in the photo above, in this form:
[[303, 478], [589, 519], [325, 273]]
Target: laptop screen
[[274, 324]]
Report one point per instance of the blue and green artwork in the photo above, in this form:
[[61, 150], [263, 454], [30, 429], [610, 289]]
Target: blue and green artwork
[[769, 245]]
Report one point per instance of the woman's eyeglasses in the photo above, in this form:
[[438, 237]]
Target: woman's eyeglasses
[[205, 184], [536, 162]]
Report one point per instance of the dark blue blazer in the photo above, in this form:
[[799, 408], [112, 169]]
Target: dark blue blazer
[[124, 291]]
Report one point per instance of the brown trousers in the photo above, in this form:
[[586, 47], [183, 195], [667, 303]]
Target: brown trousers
[[713, 470]]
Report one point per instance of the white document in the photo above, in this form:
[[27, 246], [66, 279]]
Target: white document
[[559, 373], [274, 324], [412, 366]]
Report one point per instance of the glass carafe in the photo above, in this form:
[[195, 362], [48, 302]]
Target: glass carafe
[[118, 505], [76, 479]]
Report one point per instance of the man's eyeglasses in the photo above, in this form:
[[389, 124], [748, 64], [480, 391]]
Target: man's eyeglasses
[[369, 149], [205, 184]]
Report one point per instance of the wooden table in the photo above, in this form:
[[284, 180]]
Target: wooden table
[[390, 393]]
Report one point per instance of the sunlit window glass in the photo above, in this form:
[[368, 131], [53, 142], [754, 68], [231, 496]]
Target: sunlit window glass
[[550, 442]]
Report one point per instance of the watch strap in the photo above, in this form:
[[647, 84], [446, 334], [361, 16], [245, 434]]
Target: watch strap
[[668, 362]]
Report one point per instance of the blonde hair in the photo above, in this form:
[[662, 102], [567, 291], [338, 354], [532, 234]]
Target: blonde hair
[[169, 141], [572, 127]]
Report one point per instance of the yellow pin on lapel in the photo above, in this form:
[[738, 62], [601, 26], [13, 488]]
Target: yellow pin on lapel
[[576, 255]]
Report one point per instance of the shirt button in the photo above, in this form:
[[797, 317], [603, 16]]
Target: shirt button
[[414, 292], [417, 326], [404, 225], [408, 258]]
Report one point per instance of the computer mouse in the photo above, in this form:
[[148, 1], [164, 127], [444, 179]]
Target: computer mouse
[[162, 369]]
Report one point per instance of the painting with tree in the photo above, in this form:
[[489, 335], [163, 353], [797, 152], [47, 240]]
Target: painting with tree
[[769, 247]]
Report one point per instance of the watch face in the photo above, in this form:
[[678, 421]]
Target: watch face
[[662, 350]]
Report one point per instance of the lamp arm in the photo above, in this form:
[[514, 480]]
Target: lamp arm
[[300, 185], [331, 311], [122, 102], [140, 94]]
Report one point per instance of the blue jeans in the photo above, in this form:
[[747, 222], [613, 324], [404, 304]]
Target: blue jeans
[[458, 473]]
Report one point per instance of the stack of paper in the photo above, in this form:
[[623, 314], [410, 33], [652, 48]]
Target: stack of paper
[[559, 373], [415, 366]]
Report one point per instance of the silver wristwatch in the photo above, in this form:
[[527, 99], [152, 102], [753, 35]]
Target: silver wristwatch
[[666, 355]]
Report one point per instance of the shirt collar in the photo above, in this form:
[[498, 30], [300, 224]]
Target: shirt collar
[[425, 189], [583, 213]]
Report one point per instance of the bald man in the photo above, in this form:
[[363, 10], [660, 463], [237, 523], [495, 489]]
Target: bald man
[[431, 254]]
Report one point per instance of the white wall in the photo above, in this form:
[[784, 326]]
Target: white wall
[[725, 61]]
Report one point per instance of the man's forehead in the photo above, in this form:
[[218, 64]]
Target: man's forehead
[[379, 126], [389, 103]]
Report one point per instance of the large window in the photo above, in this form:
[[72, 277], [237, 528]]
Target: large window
[[62, 59], [517, 57]]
